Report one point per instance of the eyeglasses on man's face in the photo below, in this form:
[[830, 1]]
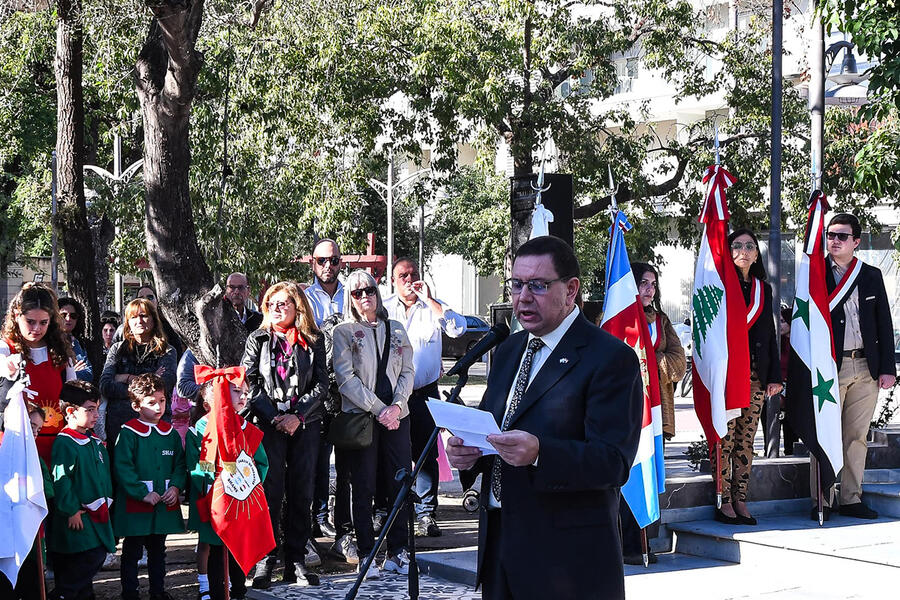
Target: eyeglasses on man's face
[[236, 288], [738, 246], [538, 287], [323, 260], [840, 235], [366, 291]]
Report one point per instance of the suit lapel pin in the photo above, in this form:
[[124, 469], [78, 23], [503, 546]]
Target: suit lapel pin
[[563, 360]]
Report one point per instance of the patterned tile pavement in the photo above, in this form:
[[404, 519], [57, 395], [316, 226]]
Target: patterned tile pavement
[[389, 587]]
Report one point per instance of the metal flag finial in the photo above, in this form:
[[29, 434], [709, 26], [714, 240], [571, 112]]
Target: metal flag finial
[[716, 144], [540, 188], [613, 205]]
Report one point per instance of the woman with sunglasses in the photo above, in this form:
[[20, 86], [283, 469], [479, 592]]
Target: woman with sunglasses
[[72, 314], [374, 372], [285, 365], [736, 456]]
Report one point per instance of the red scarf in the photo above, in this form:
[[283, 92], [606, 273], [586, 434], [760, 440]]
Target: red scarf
[[292, 335]]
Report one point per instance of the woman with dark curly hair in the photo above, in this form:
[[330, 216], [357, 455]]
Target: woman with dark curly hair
[[33, 335], [72, 314]]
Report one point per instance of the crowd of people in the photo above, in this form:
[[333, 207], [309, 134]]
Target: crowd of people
[[319, 361], [332, 369]]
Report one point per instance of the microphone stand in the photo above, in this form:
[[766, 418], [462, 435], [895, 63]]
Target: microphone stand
[[405, 496]]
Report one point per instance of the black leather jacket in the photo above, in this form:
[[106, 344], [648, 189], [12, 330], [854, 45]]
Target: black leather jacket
[[313, 381]]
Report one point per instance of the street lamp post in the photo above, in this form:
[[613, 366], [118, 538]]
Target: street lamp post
[[386, 191], [117, 178]]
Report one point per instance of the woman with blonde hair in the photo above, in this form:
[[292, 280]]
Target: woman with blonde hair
[[374, 372], [33, 338], [144, 349], [285, 365]]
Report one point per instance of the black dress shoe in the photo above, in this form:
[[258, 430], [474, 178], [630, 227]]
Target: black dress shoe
[[305, 576], [289, 575], [858, 510], [814, 514], [748, 520], [723, 518]]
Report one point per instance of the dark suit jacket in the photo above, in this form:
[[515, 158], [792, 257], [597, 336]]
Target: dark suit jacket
[[763, 346], [254, 320], [559, 535], [875, 323]]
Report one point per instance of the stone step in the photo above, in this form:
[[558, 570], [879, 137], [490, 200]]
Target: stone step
[[795, 540], [883, 497], [881, 476]]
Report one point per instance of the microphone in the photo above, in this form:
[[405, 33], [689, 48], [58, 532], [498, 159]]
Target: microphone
[[494, 337]]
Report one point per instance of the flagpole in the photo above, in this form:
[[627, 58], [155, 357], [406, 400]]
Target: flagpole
[[225, 579], [820, 499], [718, 448], [645, 547], [42, 583]]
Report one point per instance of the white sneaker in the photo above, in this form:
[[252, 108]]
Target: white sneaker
[[372, 573], [397, 564], [143, 561], [346, 548], [312, 558], [111, 562]]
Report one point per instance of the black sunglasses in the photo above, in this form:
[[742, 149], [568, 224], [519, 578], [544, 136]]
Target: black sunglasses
[[368, 291], [841, 235], [334, 260]]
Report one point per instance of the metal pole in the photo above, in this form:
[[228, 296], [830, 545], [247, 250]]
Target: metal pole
[[422, 241], [117, 172], [775, 190], [389, 195], [817, 101], [54, 243]]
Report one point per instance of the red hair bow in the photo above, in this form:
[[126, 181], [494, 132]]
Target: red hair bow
[[234, 375]]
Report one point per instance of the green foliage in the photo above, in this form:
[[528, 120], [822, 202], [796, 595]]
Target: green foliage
[[873, 26]]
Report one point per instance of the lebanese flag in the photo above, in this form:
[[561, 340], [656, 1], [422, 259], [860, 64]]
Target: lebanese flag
[[623, 317], [239, 513], [813, 396], [721, 371], [22, 503]]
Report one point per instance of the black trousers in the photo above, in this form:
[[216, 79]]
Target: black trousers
[[421, 425], [342, 519], [132, 549], [494, 583], [291, 477], [390, 450], [28, 583], [74, 573], [216, 573]]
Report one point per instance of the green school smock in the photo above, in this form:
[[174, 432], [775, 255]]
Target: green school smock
[[79, 466], [147, 458]]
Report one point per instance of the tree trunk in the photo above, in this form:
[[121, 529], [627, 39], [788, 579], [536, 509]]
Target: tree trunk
[[166, 80], [71, 219]]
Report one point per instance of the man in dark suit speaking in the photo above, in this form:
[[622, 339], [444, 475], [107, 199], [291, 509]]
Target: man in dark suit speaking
[[567, 397]]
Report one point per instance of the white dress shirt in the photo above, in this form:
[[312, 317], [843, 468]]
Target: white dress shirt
[[322, 303], [424, 327], [551, 341]]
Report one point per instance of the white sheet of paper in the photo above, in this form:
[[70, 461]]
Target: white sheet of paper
[[470, 424]]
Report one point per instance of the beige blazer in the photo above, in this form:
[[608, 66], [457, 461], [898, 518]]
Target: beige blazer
[[356, 363]]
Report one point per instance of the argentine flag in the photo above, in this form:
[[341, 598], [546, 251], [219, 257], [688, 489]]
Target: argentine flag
[[623, 317]]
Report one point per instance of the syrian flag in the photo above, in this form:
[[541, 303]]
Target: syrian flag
[[721, 371], [623, 317], [239, 513], [813, 396], [22, 503]]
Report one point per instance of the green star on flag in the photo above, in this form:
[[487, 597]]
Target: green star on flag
[[822, 390], [802, 311]]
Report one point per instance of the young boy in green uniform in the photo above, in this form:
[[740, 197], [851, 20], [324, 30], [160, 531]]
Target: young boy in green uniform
[[82, 532], [202, 477], [150, 473]]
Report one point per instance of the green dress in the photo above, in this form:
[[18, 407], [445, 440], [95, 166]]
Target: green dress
[[147, 458], [79, 466], [202, 480]]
